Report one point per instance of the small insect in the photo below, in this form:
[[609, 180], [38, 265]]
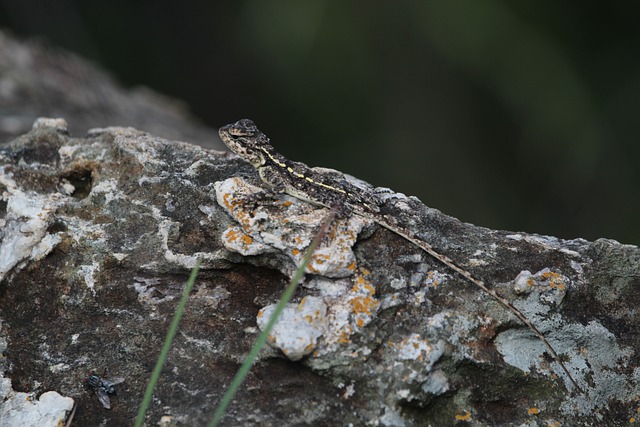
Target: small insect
[[103, 387]]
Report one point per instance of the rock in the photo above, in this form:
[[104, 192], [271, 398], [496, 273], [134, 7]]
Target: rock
[[38, 79], [22, 409], [99, 235]]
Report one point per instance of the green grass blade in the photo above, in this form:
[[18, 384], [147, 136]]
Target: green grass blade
[[171, 333]]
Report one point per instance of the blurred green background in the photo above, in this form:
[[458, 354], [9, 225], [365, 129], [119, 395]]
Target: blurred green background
[[511, 115]]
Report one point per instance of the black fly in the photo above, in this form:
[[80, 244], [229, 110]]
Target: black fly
[[103, 387]]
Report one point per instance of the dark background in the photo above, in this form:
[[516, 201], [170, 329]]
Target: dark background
[[511, 115]]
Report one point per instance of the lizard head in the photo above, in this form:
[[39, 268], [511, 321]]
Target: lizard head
[[244, 139]]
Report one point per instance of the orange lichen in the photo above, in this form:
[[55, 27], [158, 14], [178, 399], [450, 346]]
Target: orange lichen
[[431, 276], [533, 411], [364, 304], [232, 236], [332, 233], [465, 417], [302, 302], [319, 258], [344, 337], [555, 280]]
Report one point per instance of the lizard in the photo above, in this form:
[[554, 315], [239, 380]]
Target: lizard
[[331, 189]]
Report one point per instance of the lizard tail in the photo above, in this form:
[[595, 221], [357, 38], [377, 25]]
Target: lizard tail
[[502, 300]]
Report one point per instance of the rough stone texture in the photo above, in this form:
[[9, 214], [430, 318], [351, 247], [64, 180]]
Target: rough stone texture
[[21, 409], [37, 79], [99, 234]]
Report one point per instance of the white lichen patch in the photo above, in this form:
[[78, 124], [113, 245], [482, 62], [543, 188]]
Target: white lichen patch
[[391, 300], [108, 189], [329, 288], [287, 225], [348, 314], [414, 347], [551, 285], [437, 383], [584, 348], [44, 246], [412, 361], [88, 274], [59, 367], [166, 228], [548, 242], [25, 225], [435, 278], [48, 122], [67, 152], [65, 187], [299, 327], [458, 328], [147, 291], [238, 241], [476, 262], [521, 348], [349, 391], [398, 283], [22, 409], [347, 310]]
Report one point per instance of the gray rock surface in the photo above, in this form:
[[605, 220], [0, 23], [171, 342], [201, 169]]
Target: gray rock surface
[[99, 234], [37, 79]]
